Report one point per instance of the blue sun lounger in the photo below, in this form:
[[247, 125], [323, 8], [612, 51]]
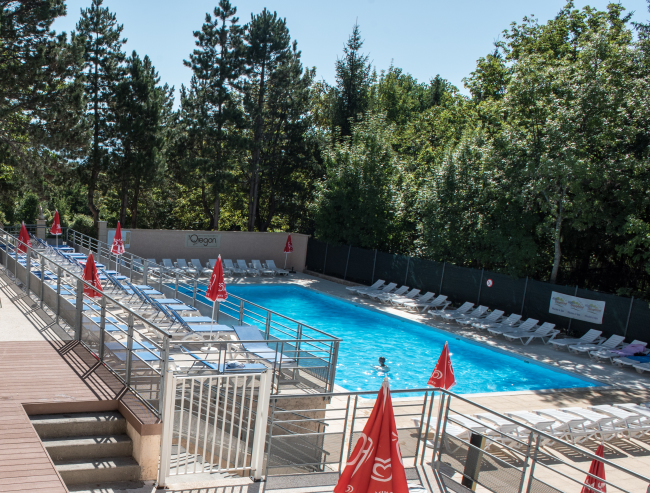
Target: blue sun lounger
[[221, 367], [259, 349]]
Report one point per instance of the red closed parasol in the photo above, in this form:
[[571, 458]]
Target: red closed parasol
[[91, 276], [443, 374], [597, 468], [24, 238]]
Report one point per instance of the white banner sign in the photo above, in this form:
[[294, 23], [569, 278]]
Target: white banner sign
[[202, 240], [126, 238], [578, 308]]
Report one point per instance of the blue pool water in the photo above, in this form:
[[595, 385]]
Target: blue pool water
[[411, 349]]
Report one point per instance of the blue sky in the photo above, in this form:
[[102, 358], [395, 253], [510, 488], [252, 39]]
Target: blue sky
[[423, 37]]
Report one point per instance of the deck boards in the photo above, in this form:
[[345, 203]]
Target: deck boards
[[41, 374]]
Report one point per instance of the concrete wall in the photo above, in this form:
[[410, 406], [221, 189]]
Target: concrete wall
[[159, 244]]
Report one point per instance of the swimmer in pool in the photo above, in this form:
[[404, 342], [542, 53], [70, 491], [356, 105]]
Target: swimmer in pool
[[382, 365]]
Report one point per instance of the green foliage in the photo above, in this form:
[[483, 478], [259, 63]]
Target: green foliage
[[84, 224], [28, 210]]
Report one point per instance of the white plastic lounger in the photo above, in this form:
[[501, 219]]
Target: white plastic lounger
[[569, 427], [450, 430], [631, 349], [418, 298], [182, 264], [376, 285], [384, 296], [270, 264], [536, 421], [464, 308], [528, 325], [248, 270], [612, 343], [476, 314], [235, 270], [590, 337], [492, 317], [260, 349], [167, 264], [440, 302], [636, 424], [196, 263], [395, 300], [505, 431], [384, 290], [257, 265], [545, 330], [642, 367], [512, 321], [608, 426]]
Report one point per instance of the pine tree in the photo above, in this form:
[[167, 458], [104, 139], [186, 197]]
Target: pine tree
[[353, 81], [217, 64], [268, 46], [102, 65]]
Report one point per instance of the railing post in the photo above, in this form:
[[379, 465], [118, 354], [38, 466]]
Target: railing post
[[523, 299], [267, 327], [129, 350], [176, 286], [194, 288], [241, 312], [408, 263], [532, 465], [79, 309], [332, 366], [261, 420], [168, 403], [145, 272], [42, 262], [164, 365], [270, 437], [442, 277], [525, 466], [298, 338], [59, 273], [102, 328], [131, 270], [28, 268]]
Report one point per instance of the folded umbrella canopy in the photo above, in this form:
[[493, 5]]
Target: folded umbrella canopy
[[443, 374], [24, 238], [118, 244], [91, 276], [597, 468], [288, 248], [216, 289], [375, 465], [56, 227]]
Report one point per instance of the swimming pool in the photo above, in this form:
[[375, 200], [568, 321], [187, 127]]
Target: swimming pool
[[411, 349]]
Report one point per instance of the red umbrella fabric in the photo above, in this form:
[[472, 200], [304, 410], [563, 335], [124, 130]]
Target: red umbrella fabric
[[118, 245], [24, 237], [443, 374], [288, 248], [597, 468], [217, 287], [91, 276], [56, 224], [375, 465]]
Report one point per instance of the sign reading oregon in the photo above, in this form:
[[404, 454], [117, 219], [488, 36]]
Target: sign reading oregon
[[202, 240]]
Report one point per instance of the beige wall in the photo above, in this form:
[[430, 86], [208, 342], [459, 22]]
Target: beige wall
[[159, 244]]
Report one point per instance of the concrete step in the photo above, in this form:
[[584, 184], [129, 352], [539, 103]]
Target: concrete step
[[110, 469], [79, 424], [97, 447]]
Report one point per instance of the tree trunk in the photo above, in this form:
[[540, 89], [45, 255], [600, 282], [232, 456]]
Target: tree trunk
[[94, 172], [217, 212], [558, 248], [257, 147]]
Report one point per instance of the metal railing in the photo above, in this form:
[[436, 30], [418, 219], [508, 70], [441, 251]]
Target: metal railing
[[509, 457], [132, 347], [215, 424], [312, 346]]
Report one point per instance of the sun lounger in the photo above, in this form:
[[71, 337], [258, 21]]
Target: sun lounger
[[536, 421], [182, 264], [425, 302], [376, 285], [405, 297], [634, 424], [451, 314], [492, 317], [385, 296], [505, 431], [568, 426], [257, 265], [167, 264], [235, 270], [196, 263], [248, 270], [546, 330], [631, 349], [223, 367], [631, 361], [642, 367], [270, 264], [510, 322], [607, 425], [383, 290], [451, 430], [590, 337], [476, 314], [612, 343], [528, 325], [260, 349]]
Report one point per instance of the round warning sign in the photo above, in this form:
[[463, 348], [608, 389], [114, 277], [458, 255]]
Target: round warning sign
[[489, 283]]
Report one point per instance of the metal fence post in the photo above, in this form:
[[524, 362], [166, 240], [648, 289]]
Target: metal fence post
[[28, 268], [59, 273], [374, 262], [408, 263], [325, 260], [261, 420], [42, 278], [523, 300], [569, 326], [241, 312], [79, 309], [168, 403], [102, 327], [164, 365], [194, 288], [267, 326], [145, 272], [442, 277], [629, 312], [129, 350], [347, 262], [480, 286], [175, 287], [532, 465]]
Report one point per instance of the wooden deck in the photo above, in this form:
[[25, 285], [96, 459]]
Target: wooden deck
[[42, 378]]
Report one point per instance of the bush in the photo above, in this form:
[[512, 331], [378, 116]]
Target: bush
[[84, 224], [28, 209]]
